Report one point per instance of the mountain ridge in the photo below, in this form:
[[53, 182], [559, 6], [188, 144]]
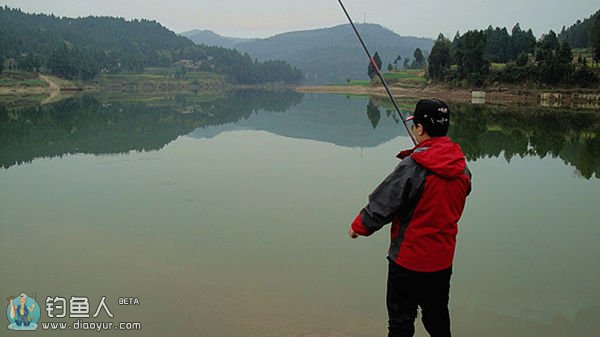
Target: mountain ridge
[[331, 54], [210, 38]]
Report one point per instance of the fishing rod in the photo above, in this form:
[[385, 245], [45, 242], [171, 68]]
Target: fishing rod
[[387, 89]]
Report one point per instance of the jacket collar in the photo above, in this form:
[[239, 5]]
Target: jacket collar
[[421, 146]]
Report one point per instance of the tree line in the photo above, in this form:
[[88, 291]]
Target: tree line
[[419, 62], [583, 34], [81, 48], [468, 58]]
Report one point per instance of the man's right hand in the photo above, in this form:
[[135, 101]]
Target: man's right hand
[[352, 233]]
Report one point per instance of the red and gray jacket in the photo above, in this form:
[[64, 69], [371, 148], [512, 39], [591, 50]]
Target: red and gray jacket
[[423, 198]]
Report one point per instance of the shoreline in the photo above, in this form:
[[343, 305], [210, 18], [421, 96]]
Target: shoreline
[[588, 98], [492, 95]]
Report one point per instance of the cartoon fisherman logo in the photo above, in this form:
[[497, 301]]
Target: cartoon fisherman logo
[[23, 312]]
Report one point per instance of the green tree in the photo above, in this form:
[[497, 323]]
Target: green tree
[[87, 64], [398, 59], [565, 61], [521, 42], [30, 62], [546, 46], [498, 45], [584, 77], [554, 59], [595, 37], [419, 59], [469, 52], [180, 73], [62, 62], [390, 67], [439, 59], [372, 71], [565, 55], [522, 59]]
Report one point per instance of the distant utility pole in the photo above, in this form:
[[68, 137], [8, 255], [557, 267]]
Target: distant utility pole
[[364, 17]]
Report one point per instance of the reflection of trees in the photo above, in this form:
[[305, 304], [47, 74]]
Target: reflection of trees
[[484, 131], [85, 125], [493, 131], [373, 113]]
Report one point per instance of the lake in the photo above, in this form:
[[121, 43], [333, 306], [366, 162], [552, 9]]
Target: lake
[[228, 216]]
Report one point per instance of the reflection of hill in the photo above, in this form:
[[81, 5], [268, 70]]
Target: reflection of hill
[[484, 131], [84, 125], [334, 119], [490, 131]]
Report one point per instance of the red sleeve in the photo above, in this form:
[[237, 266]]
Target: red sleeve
[[358, 227]]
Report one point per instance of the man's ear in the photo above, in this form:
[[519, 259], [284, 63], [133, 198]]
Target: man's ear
[[420, 129]]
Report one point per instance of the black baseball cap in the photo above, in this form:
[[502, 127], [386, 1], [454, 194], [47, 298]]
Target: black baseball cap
[[433, 114]]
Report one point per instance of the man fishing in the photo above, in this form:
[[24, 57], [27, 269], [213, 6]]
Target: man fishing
[[423, 198]]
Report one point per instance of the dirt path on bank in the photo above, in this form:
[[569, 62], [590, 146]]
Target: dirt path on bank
[[54, 89]]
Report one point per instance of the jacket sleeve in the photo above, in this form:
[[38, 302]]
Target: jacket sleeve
[[468, 173], [396, 194]]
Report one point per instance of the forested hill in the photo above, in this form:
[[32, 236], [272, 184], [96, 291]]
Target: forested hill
[[579, 35], [82, 47], [329, 55]]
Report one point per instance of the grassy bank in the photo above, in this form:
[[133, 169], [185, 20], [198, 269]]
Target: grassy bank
[[412, 83], [18, 81], [23, 88], [160, 80], [151, 79], [409, 78]]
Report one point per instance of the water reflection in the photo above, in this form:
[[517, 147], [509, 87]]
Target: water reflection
[[572, 136], [88, 124], [95, 125], [235, 231], [485, 131]]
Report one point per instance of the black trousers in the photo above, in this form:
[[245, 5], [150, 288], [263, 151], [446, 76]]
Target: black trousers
[[407, 290]]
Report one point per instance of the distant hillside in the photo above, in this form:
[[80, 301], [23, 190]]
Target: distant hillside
[[80, 48], [210, 38], [331, 55], [579, 34]]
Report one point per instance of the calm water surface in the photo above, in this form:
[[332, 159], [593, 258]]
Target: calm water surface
[[228, 217]]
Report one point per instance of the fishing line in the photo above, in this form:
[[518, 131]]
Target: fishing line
[[387, 89]]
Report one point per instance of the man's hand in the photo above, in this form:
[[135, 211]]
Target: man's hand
[[352, 233]]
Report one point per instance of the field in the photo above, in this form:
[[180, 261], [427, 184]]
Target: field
[[355, 82], [409, 78], [587, 54], [21, 79], [160, 79]]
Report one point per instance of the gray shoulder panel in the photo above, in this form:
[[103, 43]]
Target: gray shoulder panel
[[396, 195]]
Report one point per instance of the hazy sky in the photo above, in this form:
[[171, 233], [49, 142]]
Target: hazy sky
[[263, 18]]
